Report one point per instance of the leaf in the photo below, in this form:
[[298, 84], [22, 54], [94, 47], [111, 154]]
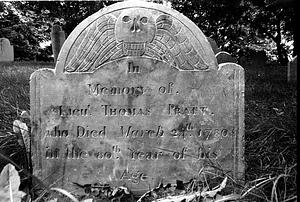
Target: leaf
[[9, 184], [88, 200], [119, 189], [179, 198], [64, 192], [215, 191], [125, 189], [279, 112], [115, 191], [53, 200], [231, 197]]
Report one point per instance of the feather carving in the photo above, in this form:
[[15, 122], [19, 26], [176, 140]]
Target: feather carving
[[98, 46], [172, 45], [110, 38]]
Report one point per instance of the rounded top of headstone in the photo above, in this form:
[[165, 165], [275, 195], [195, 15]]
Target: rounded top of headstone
[[223, 57], [56, 28], [136, 29], [4, 42]]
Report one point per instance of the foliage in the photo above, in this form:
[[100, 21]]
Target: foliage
[[169, 193], [9, 184], [21, 35], [68, 14], [237, 26], [45, 54], [218, 19], [10, 181], [241, 25], [270, 22], [27, 24]]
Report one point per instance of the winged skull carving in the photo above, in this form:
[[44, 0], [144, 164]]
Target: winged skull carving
[[135, 33]]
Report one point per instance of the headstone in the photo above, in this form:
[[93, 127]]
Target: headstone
[[57, 38], [253, 59], [6, 50], [136, 99], [259, 59], [223, 57], [292, 70], [243, 61], [213, 45]]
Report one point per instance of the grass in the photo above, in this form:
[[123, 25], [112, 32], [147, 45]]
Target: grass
[[14, 97], [270, 127], [270, 134], [14, 90]]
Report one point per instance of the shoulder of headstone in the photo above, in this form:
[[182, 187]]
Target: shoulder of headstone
[[225, 55], [227, 68], [45, 72], [5, 41]]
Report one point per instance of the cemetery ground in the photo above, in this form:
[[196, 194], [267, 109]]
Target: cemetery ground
[[270, 129]]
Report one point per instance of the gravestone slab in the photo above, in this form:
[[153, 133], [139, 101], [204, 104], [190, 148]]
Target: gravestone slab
[[243, 61], [58, 38], [6, 50], [259, 59], [292, 70], [213, 45], [253, 59], [136, 98], [223, 57]]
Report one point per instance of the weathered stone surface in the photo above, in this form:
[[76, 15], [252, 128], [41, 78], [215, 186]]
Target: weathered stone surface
[[6, 50], [292, 70], [213, 45], [58, 38], [223, 57], [136, 98]]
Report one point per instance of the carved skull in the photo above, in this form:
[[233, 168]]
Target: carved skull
[[134, 28]]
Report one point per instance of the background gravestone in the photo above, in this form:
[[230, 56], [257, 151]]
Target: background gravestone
[[243, 61], [57, 38], [253, 59], [214, 45], [223, 57], [259, 59], [292, 70], [6, 50], [136, 98]]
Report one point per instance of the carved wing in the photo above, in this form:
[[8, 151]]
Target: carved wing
[[172, 45], [98, 46]]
